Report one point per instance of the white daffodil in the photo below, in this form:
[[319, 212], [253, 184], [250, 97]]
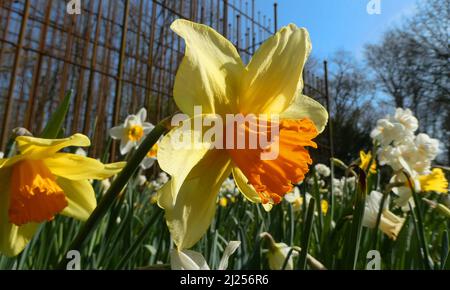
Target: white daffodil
[[345, 184], [387, 132], [141, 179], [390, 224], [322, 169], [191, 260], [407, 119], [2, 155], [156, 184], [132, 131], [296, 199], [426, 146], [81, 152], [106, 184], [150, 158], [227, 187], [278, 253]]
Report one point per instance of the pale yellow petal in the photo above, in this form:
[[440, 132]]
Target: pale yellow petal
[[210, 73], [44, 147], [190, 203], [13, 239], [305, 107], [80, 198], [274, 74], [76, 167], [244, 187]]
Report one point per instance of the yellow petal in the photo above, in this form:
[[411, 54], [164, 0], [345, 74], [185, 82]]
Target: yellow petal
[[13, 239], [190, 203], [305, 107], [274, 74], [80, 198], [210, 72], [76, 167], [45, 147], [435, 181], [244, 187]]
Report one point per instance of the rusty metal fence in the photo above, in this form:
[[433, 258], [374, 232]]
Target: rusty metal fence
[[117, 56]]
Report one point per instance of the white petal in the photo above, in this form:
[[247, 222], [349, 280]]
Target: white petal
[[229, 250], [187, 260]]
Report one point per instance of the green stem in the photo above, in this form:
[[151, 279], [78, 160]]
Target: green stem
[[115, 189], [306, 235], [419, 224]]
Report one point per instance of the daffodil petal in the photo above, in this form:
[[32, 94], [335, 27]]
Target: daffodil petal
[[126, 146], [190, 203], [232, 246], [117, 133], [305, 107], [80, 198], [274, 74], [187, 260], [76, 167], [13, 239], [244, 187], [142, 115], [43, 147], [210, 73]]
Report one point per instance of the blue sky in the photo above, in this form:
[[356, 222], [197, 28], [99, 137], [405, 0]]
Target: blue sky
[[339, 24]]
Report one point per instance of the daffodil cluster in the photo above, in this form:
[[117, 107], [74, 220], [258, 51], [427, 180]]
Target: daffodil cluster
[[403, 150]]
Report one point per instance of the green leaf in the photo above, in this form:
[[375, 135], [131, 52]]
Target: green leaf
[[54, 125], [444, 250]]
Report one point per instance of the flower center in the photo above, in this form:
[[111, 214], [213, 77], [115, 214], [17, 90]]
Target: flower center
[[135, 133], [35, 195], [273, 178], [152, 153]]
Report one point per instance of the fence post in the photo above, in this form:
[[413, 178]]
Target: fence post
[[119, 81]]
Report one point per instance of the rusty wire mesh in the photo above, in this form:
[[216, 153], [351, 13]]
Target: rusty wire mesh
[[117, 56]]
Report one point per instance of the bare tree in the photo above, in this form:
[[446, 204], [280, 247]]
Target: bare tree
[[411, 65]]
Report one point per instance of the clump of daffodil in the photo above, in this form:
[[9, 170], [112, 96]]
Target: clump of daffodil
[[435, 181], [213, 76], [366, 162], [41, 182]]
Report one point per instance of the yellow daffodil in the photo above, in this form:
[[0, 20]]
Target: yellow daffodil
[[213, 76], [41, 182], [324, 206], [435, 181], [366, 161], [223, 201]]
